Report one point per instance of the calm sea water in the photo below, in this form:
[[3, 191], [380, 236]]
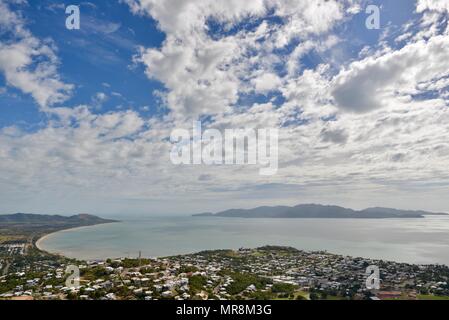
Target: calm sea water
[[405, 240]]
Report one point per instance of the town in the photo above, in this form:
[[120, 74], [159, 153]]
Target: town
[[266, 273]]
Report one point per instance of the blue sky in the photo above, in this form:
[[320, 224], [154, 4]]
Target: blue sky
[[85, 115], [96, 58]]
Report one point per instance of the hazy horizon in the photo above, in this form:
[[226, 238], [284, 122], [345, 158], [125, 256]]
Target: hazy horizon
[[187, 214]]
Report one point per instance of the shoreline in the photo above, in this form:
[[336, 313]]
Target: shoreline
[[38, 242]]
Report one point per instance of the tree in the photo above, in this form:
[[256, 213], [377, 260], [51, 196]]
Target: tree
[[314, 296]]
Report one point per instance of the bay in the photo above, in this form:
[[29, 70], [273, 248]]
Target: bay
[[421, 241]]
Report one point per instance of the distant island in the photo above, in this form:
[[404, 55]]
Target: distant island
[[319, 211]]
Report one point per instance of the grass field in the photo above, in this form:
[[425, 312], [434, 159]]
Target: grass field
[[335, 298], [9, 238], [303, 294]]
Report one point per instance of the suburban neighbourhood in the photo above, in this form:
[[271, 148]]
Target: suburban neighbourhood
[[266, 273]]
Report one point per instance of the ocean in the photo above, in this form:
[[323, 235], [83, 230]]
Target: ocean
[[421, 241]]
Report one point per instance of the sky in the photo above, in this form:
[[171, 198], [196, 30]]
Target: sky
[[86, 115]]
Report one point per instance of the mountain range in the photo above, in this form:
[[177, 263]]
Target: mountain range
[[54, 220], [319, 211]]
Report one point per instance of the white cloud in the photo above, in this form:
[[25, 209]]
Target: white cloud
[[382, 81], [98, 99], [266, 82], [91, 24], [28, 63], [433, 5], [198, 79], [206, 74], [178, 17]]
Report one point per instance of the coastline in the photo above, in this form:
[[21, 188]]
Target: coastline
[[39, 241]]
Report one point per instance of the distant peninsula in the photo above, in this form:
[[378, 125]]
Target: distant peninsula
[[319, 211], [26, 227]]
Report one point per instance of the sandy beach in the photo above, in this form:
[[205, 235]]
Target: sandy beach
[[39, 241]]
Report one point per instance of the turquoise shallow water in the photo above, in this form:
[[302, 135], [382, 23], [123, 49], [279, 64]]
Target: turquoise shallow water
[[405, 240]]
